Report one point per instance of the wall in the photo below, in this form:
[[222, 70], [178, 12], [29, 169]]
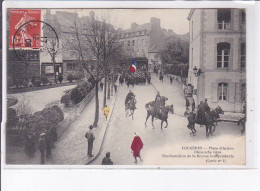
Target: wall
[[70, 117]]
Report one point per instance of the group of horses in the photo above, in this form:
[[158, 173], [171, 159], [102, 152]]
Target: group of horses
[[209, 120]]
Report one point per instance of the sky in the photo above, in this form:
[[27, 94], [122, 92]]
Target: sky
[[175, 19]]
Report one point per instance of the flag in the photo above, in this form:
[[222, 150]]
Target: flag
[[133, 67]]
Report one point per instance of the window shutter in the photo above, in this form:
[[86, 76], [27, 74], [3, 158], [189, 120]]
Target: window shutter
[[214, 92], [231, 92], [238, 92]]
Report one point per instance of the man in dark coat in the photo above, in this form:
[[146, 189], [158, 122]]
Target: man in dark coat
[[42, 147], [129, 97], [206, 106], [101, 85], [91, 137], [115, 87], [187, 103], [29, 144], [48, 143], [106, 160], [171, 79], [193, 105]]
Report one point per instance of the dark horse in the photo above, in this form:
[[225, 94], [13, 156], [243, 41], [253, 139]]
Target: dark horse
[[163, 115], [209, 120], [152, 103], [130, 106]]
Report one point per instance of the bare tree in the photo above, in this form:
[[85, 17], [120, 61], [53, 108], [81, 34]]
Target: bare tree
[[97, 42]]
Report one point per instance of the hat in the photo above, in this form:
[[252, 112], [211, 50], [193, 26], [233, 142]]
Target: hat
[[108, 154], [42, 134], [91, 126]]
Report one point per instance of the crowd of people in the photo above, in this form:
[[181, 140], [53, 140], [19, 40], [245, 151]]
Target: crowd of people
[[137, 78]]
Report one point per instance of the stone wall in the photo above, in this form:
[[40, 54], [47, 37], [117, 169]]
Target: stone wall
[[71, 116]]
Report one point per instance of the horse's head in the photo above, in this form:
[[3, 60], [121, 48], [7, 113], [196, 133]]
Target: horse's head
[[164, 98], [219, 110]]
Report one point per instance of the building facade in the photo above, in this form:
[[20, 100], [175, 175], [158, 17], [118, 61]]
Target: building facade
[[144, 41], [217, 57]]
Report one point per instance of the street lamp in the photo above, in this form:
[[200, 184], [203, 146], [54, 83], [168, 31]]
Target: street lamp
[[197, 71]]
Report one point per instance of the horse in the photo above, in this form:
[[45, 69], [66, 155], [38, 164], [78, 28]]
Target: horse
[[209, 120], [152, 103], [130, 106], [163, 115]]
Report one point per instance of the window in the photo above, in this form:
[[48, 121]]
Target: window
[[243, 56], [243, 91], [71, 66], [224, 17], [222, 91], [142, 42], [223, 53]]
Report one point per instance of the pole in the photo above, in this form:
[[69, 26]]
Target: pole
[[105, 90]]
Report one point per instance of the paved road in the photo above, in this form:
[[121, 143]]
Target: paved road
[[121, 129]]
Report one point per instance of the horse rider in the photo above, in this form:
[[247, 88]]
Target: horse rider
[[202, 110], [129, 96], [206, 106], [158, 100]]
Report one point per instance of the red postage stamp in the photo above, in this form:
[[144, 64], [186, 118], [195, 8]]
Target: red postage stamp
[[24, 33]]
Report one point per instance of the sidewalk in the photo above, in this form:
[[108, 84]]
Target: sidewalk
[[71, 148]]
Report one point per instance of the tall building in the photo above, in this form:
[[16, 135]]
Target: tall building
[[144, 41], [218, 57]]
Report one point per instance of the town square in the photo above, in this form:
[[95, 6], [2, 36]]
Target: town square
[[126, 87]]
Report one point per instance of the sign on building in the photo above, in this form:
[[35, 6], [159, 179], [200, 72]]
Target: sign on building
[[49, 70]]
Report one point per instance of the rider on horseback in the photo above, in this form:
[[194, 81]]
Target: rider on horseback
[[201, 113], [158, 103], [129, 97]]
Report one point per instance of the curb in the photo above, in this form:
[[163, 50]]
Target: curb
[[102, 142]]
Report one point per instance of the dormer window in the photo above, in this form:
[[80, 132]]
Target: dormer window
[[224, 18]]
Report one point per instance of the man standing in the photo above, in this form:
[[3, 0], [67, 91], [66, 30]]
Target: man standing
[[187, 103], [106, 160], [115, 86], [101, 85], [42, 147], [193, 105], [171, 79], [48, 143], [136, 147], [91, 137]]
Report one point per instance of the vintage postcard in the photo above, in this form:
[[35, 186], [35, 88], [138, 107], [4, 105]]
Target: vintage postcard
[[157, 87]]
